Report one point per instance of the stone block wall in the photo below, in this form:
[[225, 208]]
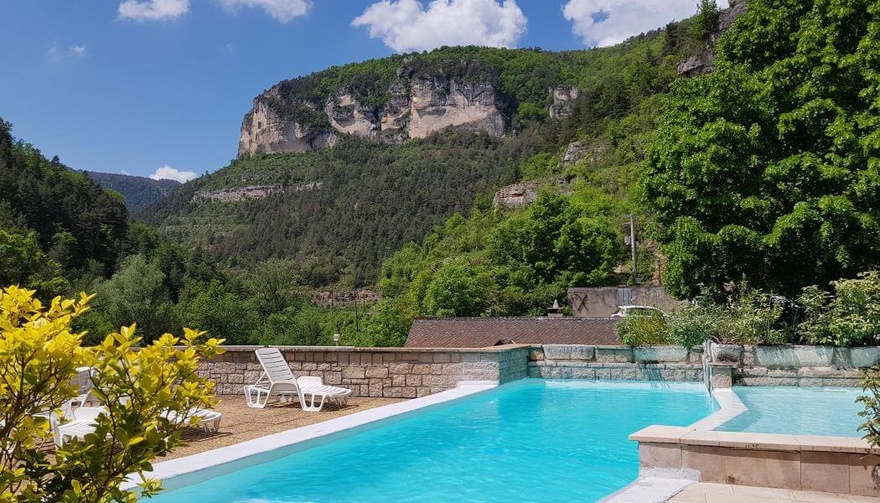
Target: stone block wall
[[791, 365], [663, 363], [376, 372]]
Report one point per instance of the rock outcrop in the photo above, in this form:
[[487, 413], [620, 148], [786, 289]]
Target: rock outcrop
[[520, 195], [234, 194], [263, 130], [562, 101], [517, 195], [417, 106], [703, 62]]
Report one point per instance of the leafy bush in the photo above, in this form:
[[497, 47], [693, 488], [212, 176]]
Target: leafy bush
[[691, 326], [871, 401], [637, 330], [39, 354], [752, 317], [850, 317]]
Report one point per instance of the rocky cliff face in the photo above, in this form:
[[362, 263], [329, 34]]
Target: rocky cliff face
[[703, 62], [417, 106], [263, 130]]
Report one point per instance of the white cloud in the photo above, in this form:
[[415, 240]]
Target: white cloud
[[406, 25], [166, 172], [153, 10], [282, 10], [608, 22], [57, 54]]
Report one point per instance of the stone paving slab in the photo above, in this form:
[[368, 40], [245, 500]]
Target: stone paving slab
[[703, 492]]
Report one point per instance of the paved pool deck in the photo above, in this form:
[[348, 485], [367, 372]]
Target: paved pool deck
[[703, 492]]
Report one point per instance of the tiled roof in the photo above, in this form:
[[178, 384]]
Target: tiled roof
[[485, 332]]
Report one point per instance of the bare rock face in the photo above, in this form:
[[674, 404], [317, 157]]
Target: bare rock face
[[520, 195], [704, 61], [735, 9], [517, 195], [562, 100], [234, 194], [437, 104], [418, 107], [698, 64], [347, 115], [262, 130]]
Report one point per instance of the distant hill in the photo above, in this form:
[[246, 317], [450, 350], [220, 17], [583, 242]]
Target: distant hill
[[137, 190], [75, 221]]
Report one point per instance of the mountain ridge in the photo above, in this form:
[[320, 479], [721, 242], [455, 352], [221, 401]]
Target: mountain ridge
[[137, 191]]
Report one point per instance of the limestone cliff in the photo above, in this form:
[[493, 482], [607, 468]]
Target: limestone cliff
[[414, 106], [263, 130]]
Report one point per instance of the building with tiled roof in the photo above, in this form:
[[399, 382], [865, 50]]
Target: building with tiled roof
[[485, 332]]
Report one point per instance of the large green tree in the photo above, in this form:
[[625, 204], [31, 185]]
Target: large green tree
[[768, 168]]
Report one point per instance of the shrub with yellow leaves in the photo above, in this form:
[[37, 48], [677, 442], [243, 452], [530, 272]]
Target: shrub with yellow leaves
[[138, 386]]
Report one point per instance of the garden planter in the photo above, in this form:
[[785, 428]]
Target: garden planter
[[654, 354], [731, 353], [864, 357], [778, 357]]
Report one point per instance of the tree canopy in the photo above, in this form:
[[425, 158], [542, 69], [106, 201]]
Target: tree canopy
[[767, 169]]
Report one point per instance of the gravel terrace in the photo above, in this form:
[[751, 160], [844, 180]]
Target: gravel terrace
[[240, 423]]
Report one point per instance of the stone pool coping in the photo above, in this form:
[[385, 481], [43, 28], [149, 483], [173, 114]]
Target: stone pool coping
[[660, 484], [215, 458], [846, 465]]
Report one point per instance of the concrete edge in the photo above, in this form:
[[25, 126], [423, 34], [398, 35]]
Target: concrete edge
[[655, 488], [731, 406], [223, 455]]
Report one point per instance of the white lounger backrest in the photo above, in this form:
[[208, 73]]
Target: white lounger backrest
[[274, 365]]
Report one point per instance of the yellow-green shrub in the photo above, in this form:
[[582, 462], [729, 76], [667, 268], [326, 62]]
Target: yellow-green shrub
[[39, 355]]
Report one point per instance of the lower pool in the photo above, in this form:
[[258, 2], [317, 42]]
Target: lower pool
[[533, 440], [803, 411]]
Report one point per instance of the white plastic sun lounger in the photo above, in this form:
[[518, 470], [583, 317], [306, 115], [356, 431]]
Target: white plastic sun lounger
[[278, 379], [206, 419], [78, 423]]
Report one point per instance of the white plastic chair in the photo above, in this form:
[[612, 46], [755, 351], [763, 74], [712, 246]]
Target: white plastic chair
[[277, 379]]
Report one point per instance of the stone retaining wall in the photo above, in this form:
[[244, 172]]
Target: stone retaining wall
[[413, 372], [376, 372], [791, 365], [661, 363]]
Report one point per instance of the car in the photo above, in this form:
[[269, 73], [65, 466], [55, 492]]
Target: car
[[623, 311]]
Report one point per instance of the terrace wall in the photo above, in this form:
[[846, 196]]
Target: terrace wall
[[664, 363], [790, 365], [376, 372], [414, 372]]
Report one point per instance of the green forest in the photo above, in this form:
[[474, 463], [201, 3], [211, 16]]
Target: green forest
[[755, 181]]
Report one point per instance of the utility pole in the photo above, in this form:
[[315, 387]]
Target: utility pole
[[632, 243]]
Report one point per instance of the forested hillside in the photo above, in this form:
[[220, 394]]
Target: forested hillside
[[339, 212], [53, 221], [137, 191]]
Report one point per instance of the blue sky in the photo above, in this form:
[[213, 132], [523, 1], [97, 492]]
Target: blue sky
[[137, 85]]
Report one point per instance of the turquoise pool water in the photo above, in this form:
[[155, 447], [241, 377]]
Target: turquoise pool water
[[804, 411], [533, 440]]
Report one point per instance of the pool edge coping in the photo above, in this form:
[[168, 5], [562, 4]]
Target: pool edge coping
[[661, 485], [228, 454]]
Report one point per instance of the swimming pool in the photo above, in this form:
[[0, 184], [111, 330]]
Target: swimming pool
[[801, 411], [529, 440]]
